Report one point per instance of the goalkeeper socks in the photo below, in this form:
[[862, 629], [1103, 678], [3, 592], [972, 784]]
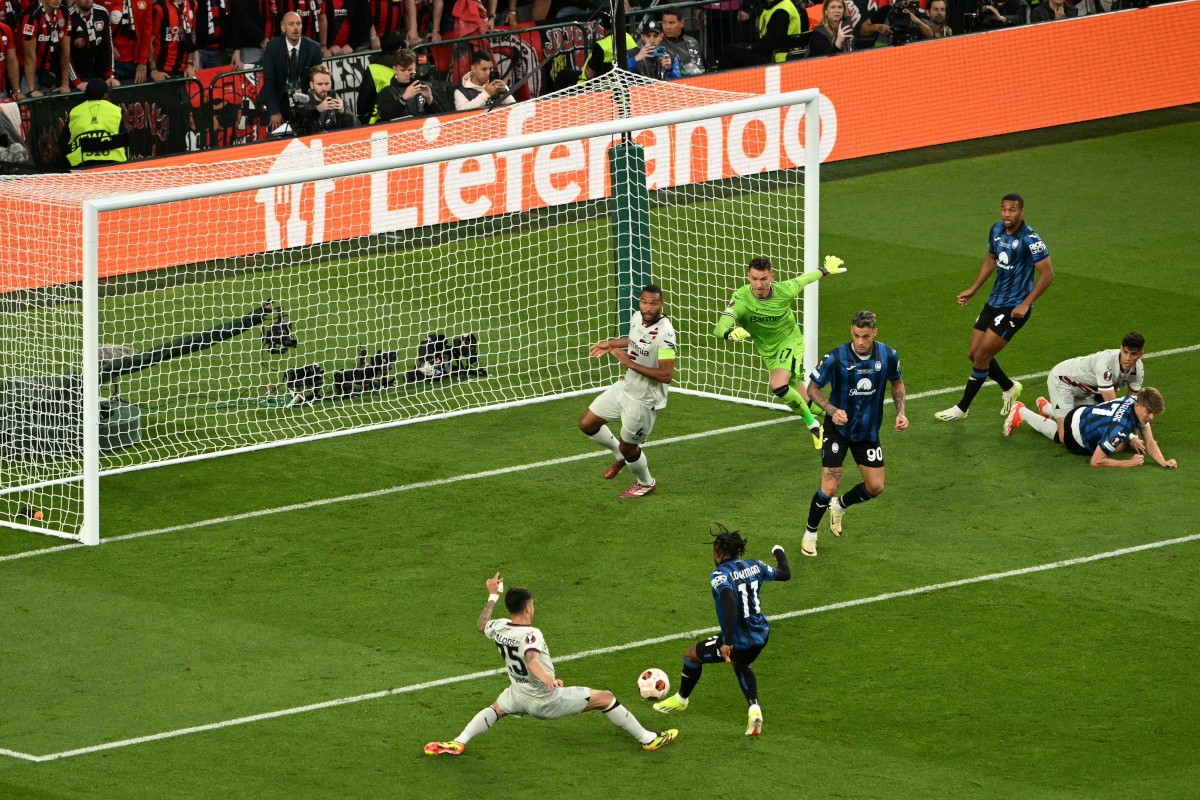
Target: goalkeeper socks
[[483, 721], [796, 403], [618, 715], [816, 510], [691, 676], [858, 494], [974, 384], [1046, 427], [604, 437], [641, 469], [748, 682], [996, 373]]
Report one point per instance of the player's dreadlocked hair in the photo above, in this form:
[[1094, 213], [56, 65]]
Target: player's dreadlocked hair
[[729, 543]]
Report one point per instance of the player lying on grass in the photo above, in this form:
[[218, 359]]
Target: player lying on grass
[[1097, 378], [1015, 253], [762, 312], [744, 629], [641, 393], [855, 374], [535, 692], [1101, 430]]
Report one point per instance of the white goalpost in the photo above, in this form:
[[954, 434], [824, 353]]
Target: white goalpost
[[168, 315]]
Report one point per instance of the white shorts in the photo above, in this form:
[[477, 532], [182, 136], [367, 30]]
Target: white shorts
[[1064, 397], [636, 419], [565, 702]]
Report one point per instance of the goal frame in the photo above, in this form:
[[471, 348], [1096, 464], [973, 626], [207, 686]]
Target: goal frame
[[90, 528]]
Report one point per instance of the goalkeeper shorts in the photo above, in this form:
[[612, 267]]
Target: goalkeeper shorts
[[789, 356]]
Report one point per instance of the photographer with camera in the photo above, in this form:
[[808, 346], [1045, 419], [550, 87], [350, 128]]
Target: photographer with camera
[[835, 34], [406, 96], [653, 60], [993, 14], [324, 110], [481, 85]]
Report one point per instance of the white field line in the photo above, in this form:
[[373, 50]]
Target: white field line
[[494, 472], [694, 634]]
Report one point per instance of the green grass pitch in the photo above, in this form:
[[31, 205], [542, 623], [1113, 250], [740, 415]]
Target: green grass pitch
[[1075, 682]]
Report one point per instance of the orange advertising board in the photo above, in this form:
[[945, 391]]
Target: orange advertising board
[[886, 100]]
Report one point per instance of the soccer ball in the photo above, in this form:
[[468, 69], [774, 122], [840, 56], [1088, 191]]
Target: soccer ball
[[654, 684]]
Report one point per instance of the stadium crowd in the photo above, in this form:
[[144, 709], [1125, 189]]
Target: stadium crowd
[[58, 46]]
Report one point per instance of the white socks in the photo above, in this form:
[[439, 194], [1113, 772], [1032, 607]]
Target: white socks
[[641, 469], [618, 715], [1046, 427], [483, 721], [604, 437]]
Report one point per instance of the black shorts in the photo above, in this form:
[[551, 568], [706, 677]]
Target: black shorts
[[1000, 321], [1073, 446], [834, 447], [709, 652]]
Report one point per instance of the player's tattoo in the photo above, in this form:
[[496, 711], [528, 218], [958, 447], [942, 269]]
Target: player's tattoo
[[834, 473], [485, 616], [817, 396], [898, 397]]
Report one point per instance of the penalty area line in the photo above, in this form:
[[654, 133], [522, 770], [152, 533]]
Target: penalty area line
[[491, 473], [693, 634]]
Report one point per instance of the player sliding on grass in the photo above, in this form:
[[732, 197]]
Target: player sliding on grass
[[1101, 430], [763, 312], [535, 692], [744, 628], [1015, 252], [637, 398]]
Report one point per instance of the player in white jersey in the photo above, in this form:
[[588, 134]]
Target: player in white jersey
[[535, 692], [637, 398], [1088, 380]]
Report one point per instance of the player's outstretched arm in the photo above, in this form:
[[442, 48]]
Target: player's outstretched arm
[[533, 659], [1101, 459], [985, 271], [898, 399], [784, 571], [727, 328], [1154, 451], [494, 586]]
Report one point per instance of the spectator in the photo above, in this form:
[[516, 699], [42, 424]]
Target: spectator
[[1049, 10], [91, 45], [44, 27], [210, 21], [652, 59], [310, 12], [131, 29], [346, 26], [95, 134], [479, 86], [10, 70], [874, 25], [10, 14], [780, 29], [386, 15], [1004, 13], [726, 24], [938, 29], [377, 77], [406, 96], [250, 28], [286, 63], [685, 49], [600, 59], [173, 53], [326, 111], [835, 34]]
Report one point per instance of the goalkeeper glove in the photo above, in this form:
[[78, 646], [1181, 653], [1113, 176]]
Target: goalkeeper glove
[[737, 334], [832, 266]]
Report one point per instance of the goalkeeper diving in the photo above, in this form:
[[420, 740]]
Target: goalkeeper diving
[[762, 312]]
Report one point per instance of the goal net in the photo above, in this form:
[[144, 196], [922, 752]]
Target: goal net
[[160, 315]]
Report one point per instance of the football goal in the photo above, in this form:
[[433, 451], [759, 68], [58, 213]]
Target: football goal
[[159, 315]]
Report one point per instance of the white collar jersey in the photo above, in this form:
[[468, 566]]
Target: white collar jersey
[[514, 643], [648, 344], [1099, 372]]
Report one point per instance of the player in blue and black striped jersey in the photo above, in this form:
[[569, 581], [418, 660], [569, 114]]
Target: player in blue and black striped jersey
[[855, 374], [1015, 253], [1102, 430], [736, 583]]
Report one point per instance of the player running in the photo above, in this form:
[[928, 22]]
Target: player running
[[1101, 430], [1015, 252], [535, 692], [744, 629], [1088, 380], [763, 312], [856, 372], [637, 398]]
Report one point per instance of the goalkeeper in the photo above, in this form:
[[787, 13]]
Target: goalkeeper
[[763, 312]]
